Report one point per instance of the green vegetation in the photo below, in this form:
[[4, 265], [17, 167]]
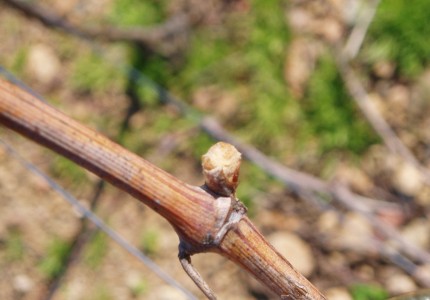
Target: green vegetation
[[91, 73], [14, 245], [64, 168], [400, 34], [368, 292], [149, 242], [19, 61], [52, 263], [101, 292], [96, 250], [139, 288], [255, 183], [134, 13], [245, 59], [332, 116]]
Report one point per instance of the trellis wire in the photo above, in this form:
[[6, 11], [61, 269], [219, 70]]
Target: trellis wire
[[99, 223]]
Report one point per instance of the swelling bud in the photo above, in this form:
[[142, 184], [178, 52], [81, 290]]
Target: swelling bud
[[221, 166]]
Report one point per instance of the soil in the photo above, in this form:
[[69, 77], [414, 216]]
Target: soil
[[342, 244]]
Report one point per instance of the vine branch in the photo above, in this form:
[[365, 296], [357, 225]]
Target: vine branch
[[201, 218], [155, 38]]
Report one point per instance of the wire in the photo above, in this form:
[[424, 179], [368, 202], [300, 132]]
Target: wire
[[9, 76]]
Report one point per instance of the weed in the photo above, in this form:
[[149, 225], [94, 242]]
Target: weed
[[14, 245], [134, 12], [368, 292], [19, 61], [400, 33], [52, 263], [96, 250], [64, 168], [332, 116], [149, 242], [91, 73], [139, 288], [101, 292]]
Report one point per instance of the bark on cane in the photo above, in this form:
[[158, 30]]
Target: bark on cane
[[198, 216]]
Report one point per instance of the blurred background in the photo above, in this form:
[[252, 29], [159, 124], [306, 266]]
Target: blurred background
[[335, 89]]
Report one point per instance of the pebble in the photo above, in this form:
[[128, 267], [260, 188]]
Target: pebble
[[295, 250], [354, 232], [338, 293], [399, 96], [400, 284], [384, 69], [299, 18], [328, 221], [43, 63], [417, 232], [300, 63], [22, 283], [408, 179], [423, 273], [167, 292]]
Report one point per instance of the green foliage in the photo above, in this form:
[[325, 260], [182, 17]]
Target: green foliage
[[400, 33], [256, 182], [200, 144], [332, 116], [142, 13], [149, 242], [64, 168], [154, 65], [139, 288], [14, 246], [96, 250], [19, 61], [52, 263], [101, 292], [247, 55], [368, 292], [135, 12], [91, 73]]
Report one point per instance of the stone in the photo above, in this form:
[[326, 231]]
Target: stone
[[295, 249], [423, 273], [417, 232], [328, 221], [167, 292], [299, 19], [355, 178], [338, 293], [384, 69], [354, 232], [44, 64], [399, 95], [300, 63], [22, 283], [408, 179], [399, 284]]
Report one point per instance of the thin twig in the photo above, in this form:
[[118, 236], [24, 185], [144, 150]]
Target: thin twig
[[186, 264], [360, 95], [300, 182], [347, 198], [156, 38], [382, 128], [358, 33]]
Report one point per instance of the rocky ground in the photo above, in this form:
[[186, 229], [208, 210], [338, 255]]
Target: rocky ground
[[337, 248]]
